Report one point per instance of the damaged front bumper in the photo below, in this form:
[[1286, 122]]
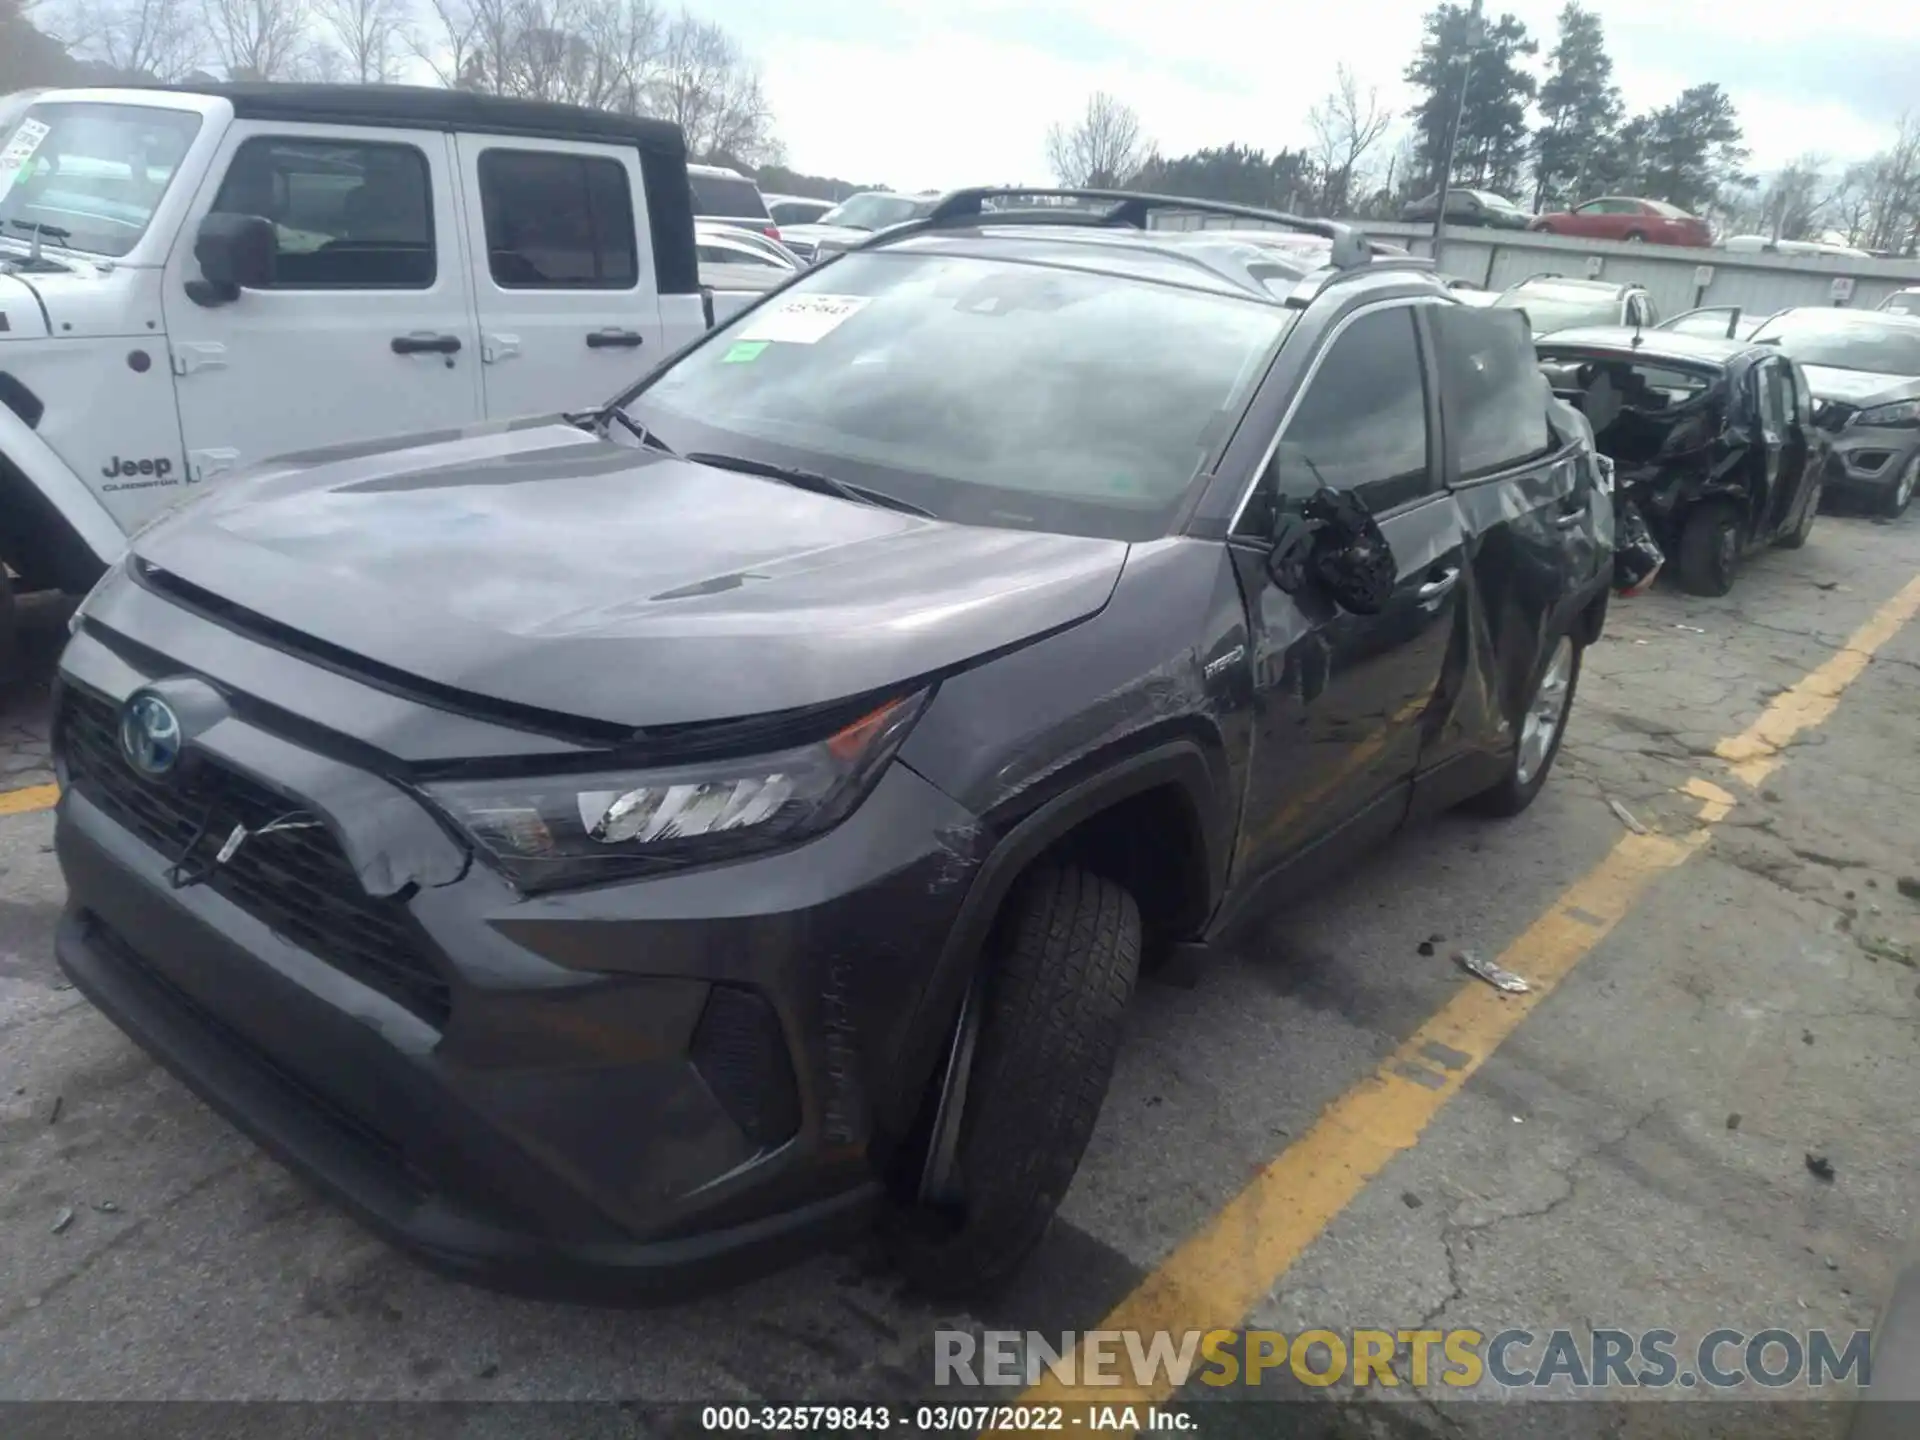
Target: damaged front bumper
[[630, 1091]]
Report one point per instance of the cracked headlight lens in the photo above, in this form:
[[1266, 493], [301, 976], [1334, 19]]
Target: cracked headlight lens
[[554, 831], [1901, 412]]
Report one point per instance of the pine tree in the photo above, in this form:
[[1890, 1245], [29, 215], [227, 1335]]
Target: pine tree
[[1580, 109]]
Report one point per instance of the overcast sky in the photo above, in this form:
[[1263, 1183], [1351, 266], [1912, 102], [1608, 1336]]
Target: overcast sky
[[938, 93]]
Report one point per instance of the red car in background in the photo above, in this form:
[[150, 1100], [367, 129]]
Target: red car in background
[[1618, 217]]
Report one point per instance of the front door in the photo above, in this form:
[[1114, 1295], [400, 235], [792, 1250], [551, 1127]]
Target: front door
[[1340, 698], [1538, 535], [563, 271], [1771, 398], [367, 328], [1796, 445]]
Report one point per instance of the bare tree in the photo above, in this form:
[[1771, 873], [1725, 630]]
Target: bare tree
[[1102, 149], [137, 39], [600, 53], [366, 34], [706, 85], [1347, 126], [1794, 204], [257, 39]]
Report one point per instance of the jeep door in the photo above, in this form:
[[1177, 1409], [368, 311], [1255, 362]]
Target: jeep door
[[1538, 537], [366, 328], [1339, 698], [563, 272]]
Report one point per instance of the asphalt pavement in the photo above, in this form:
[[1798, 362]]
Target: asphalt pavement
[[1630, 1146]]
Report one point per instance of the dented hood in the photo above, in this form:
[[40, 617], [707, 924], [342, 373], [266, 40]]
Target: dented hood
[[536, 564], [1860, 388]]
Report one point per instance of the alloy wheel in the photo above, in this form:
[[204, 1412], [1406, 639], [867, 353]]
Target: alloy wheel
[[1546, 712]]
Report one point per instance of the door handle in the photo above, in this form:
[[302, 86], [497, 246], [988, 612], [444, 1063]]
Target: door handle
[[1567, 519], [1439, 585], [615, 339], [425, 344]]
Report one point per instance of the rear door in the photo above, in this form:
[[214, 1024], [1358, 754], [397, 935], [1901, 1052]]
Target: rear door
[[1537, 534], [563, 271], [367, 329], [1340, 698]]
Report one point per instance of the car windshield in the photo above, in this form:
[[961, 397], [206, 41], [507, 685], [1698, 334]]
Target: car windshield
[[89, 176], [1843, 341], [1493, 201], [871, 212], [986, 392], [1549, 310], [733, 196]]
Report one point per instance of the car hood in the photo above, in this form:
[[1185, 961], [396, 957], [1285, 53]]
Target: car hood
[[814, 234], [1860, 388], [533, 563], [22, 317]]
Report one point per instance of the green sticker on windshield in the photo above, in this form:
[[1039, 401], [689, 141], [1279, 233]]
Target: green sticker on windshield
[[744, 351]]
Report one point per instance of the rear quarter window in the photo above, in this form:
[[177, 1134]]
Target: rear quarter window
[[733, 196]]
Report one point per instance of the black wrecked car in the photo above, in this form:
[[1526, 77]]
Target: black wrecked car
[[619, 852], [1713, 440]]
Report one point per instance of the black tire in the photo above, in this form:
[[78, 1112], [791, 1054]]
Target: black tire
[[9, 625], [1062, 967], [1634, 237], [1516, 792], [1893, 504], [1797, 536], [1710, 549]]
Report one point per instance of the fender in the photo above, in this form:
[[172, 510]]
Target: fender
[[1181, 763], [50, 521]]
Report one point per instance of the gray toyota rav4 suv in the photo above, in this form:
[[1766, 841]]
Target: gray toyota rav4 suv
[[616, 852]]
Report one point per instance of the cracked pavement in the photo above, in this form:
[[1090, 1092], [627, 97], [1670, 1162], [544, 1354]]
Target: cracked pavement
[[1634, 1156]]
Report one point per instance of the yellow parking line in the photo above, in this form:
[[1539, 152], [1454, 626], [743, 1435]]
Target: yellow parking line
[[28, 798], [1215, 1278]]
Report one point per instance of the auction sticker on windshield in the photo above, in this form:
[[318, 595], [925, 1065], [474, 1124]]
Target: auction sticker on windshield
[[13, 160], [804, 319]]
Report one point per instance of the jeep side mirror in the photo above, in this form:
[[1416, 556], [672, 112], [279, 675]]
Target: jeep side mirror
[[1333, 541], [236, 252]]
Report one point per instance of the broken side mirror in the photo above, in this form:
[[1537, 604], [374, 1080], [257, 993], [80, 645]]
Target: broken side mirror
[[1332, 541], [235, 253]]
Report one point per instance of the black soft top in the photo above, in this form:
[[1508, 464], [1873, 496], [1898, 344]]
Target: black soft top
[[662, 145], [423, 107]]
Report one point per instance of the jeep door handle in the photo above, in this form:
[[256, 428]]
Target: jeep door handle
[[424, 344], [1440, 584], [615, 339], [1567, 519]]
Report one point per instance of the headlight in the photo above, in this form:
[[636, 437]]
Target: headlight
[[80, 611], [1901, 412], [581, 829]]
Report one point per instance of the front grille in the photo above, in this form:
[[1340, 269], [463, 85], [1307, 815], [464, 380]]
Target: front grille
[[297, 882]]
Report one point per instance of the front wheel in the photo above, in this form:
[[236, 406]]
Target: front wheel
[[1894, 504], [1032, 1053], [1710, 549], [1542, 726]]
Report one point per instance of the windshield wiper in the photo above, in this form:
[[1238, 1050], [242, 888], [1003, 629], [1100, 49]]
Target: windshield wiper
[[808, 480], [598, 420], [40, 231]]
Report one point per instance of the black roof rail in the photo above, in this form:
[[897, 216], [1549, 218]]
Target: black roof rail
[[1128, 207]]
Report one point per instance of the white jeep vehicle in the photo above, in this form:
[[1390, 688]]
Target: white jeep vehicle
[[192, 281]]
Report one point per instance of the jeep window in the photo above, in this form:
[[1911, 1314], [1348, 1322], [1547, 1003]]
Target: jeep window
[[732, 196], [1361, 426], [346, 215], [988, 392], [1844, 341], [872, 211], [1491, 390], [557, 222], [96, 172]]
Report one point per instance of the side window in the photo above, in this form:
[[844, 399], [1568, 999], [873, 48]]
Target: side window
[[1492, 390], [1774, 396], [346, 215], [1361, 426], [557, 221]]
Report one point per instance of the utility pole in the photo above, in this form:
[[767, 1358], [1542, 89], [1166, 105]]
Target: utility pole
[[1476, 36]]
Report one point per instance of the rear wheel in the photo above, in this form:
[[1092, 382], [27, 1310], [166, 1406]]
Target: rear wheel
[[1894, 503], [1032, 1053], [1634, 237], [1710, 549], [1542, 726]]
